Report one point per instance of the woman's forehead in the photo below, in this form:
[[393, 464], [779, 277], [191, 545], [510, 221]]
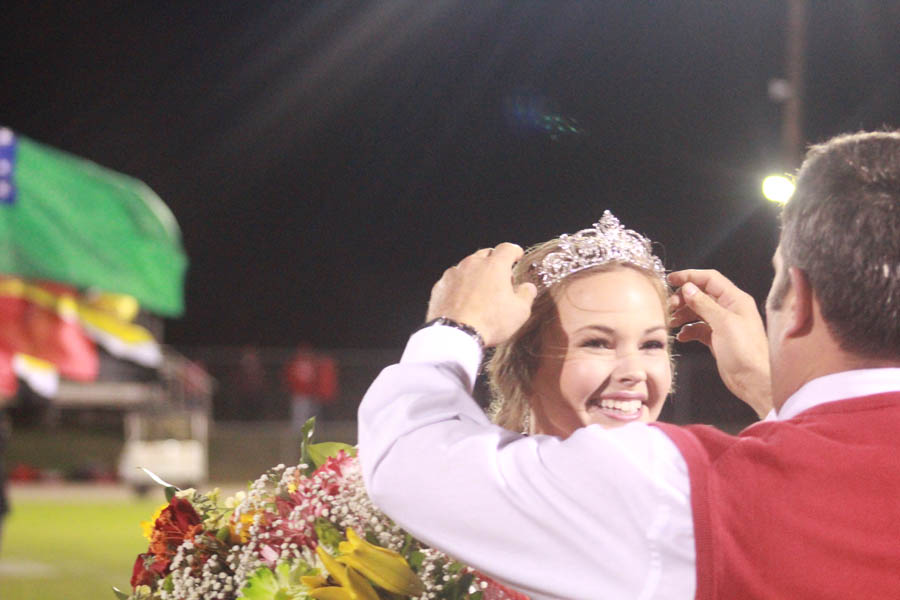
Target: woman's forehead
[[616, 290], [610, 301]]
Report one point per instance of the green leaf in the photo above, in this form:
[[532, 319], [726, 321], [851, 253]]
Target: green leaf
[[120, 594], [327, 533], [170, 492], [306, 437], [281, 584], [262, 585], [223, 533], [465, 582], [416, 559], [371, 538], [319, 453], [302, 569], [308, 431]]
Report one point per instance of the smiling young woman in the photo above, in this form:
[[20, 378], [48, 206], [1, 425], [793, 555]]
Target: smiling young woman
[[595, 349]]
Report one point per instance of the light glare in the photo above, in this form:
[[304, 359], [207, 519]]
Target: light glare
[[777, 188]]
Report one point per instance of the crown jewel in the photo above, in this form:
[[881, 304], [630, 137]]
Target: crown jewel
[[607, 241]]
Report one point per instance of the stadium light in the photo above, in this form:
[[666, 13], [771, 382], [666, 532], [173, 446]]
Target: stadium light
[[777, 188]]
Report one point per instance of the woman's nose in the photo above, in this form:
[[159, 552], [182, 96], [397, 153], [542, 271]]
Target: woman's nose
[[630, 368]]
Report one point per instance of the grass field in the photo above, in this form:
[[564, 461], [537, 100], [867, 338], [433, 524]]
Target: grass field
[[72, 547], [74, 542]]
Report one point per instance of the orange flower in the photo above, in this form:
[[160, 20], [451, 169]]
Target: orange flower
[[176, 523]]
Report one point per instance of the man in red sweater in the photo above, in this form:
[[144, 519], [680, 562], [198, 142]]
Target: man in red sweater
[[809, 506], [805, 504]]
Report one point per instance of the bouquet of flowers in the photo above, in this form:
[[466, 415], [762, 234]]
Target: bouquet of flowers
[[302, 532]]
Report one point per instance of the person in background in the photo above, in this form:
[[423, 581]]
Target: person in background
[[312, 380]]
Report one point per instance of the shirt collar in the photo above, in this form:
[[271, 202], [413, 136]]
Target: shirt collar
[[840, 386]]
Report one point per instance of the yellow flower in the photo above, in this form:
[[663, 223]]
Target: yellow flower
[[147, 526], [385, 568], [350, 584], [232, 501], [313, 581], [239, 531]]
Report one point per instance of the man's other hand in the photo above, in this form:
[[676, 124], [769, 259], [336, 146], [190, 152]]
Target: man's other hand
[[479, 292], [711, 310]]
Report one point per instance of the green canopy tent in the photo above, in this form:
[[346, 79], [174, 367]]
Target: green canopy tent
[[66, 219]]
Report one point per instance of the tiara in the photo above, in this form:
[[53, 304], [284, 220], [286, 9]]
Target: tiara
[[606, 242]]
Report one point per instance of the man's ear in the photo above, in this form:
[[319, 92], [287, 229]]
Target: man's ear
[[800, 305]]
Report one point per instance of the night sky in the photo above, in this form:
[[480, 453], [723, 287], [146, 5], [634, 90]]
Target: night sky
[[327, 160]]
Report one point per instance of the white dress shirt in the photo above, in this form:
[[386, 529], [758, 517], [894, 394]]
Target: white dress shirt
[[605, 513]]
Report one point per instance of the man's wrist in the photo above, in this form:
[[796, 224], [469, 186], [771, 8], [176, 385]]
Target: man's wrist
[[465, 328]]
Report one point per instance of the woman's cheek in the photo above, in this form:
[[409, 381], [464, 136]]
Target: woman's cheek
[[582, 377]]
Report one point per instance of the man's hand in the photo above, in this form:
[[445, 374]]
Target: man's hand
[[715, 312], [479, 292]]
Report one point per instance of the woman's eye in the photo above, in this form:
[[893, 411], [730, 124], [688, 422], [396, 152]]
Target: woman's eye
[[595, 343], [653, 345]]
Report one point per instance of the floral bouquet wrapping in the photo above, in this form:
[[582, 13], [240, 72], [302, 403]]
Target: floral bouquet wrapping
[[302, 532]]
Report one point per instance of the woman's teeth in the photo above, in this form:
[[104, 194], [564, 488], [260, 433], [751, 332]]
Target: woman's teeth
[[625, 406]]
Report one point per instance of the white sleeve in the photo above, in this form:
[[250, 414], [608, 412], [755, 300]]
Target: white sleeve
[[603, 514]]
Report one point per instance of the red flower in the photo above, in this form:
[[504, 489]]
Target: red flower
[[335, 463], [177, 522], [147, 569]]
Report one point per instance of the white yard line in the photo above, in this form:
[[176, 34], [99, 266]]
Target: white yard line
[[12, 567]]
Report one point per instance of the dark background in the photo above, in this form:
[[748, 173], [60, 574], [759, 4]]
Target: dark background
[[327, 160]]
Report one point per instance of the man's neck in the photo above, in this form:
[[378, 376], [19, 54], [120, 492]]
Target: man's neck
[[812, 365]]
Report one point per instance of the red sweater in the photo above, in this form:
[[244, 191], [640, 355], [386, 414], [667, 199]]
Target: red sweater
[[803, 508]]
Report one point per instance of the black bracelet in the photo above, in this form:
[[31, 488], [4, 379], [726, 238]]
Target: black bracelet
[[467, 329]]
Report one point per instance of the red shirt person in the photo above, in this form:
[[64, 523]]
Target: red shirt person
[[313, 382]]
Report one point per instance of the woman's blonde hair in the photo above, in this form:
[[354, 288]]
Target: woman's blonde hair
[[512, 367]]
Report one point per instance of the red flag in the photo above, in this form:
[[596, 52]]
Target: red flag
[[9, 383], [40, 319]]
